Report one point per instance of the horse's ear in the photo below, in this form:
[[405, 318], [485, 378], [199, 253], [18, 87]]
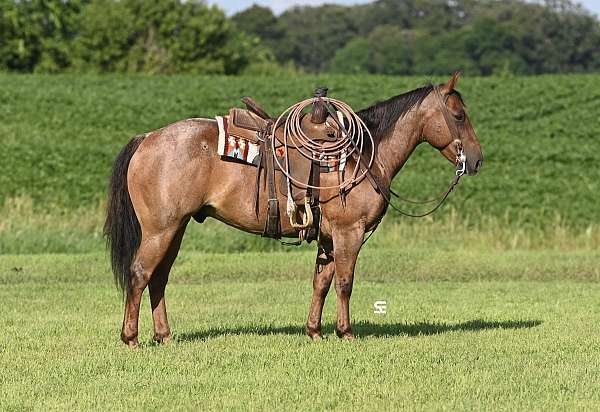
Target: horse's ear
[[451, 84]]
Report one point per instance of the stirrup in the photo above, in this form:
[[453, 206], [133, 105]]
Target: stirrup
[[307, 219]]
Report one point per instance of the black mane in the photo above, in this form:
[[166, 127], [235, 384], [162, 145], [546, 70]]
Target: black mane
[[383, 115]]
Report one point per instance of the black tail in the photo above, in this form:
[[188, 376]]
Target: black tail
[[121, 228]]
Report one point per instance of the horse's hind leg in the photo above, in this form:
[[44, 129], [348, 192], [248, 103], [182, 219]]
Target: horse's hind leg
[[324, 271], [153, 249], [156, 287]]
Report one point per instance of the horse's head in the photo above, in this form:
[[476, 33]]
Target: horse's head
[[446, 126]]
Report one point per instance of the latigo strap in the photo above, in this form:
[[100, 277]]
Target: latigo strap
[[273, 223]]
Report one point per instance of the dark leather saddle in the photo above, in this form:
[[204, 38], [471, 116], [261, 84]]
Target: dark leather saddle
[[250, 123], [276, 153]]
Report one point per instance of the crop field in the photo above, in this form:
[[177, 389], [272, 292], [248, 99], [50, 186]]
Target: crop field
[[60, 135], [493, 303]]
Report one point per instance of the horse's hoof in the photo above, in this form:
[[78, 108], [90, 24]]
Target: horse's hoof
[[313, 333], [130, 340], [347, 335], [132, 343], [162, 338]]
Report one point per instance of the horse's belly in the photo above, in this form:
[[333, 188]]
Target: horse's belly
[[232, 198]]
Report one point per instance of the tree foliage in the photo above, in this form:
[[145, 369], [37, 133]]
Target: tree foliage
[[35, 34], [124, 36], [386, 36], [438, 36], [313, 34]]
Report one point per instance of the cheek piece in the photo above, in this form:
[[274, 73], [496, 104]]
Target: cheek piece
[[461, 158]]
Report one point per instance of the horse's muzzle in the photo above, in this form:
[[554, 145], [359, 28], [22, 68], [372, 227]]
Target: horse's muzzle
[[474, 166]]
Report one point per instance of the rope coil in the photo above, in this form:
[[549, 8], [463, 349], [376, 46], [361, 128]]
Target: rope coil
[[350, 144]]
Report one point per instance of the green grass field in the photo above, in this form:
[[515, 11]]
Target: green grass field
[[493, 331]]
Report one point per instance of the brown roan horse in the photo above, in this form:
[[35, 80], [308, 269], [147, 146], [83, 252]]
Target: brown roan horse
[[162, 179]]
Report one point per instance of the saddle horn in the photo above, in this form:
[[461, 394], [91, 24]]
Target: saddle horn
[[319, 110]]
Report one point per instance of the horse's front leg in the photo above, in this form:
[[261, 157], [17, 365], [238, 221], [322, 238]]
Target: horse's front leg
[[324, 271], [347, 242]]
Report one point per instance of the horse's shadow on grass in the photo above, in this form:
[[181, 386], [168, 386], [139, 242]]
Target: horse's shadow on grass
[[366, 328]]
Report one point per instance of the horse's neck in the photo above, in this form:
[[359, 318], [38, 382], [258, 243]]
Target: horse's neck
[[394, 149]]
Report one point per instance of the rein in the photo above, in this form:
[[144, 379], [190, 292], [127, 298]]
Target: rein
[[460, 170]]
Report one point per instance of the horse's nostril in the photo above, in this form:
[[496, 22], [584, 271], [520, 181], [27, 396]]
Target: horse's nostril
[[478, 165]]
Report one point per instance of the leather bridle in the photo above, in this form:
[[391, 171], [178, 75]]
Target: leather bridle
[[460, 170]]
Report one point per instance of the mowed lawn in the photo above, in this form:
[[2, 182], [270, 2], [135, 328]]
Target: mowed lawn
[[506, 330]]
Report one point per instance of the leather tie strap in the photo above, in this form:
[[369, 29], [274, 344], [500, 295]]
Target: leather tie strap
[[273, 223]]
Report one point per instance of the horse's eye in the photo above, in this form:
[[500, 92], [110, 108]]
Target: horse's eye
[[460, 117]]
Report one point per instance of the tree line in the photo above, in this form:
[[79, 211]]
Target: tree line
[[399, 37]]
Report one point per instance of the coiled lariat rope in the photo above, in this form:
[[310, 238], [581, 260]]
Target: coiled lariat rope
[[349, 144]]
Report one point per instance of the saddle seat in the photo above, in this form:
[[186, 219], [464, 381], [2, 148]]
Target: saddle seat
[[246, 124], [326, 132]]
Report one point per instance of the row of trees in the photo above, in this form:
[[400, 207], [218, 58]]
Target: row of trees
[[386, 36], [432, 36], [167, 36]]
